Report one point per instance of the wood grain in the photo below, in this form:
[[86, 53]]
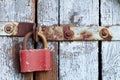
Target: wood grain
[[48, 15], [79, 12], [110, 10], [111, 60], [47, 12], [79, 60], [14, 10]]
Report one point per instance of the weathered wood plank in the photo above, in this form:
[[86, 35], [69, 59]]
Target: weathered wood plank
[[110, 10], [48, 15], [14, 10], [47, 12], [9, 53], [79, 12], [79, 60], [111, 60], [17, 10]]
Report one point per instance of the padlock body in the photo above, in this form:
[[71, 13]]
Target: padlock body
[[35, 60]]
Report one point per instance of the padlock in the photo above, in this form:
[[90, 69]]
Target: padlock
[[35, 59]]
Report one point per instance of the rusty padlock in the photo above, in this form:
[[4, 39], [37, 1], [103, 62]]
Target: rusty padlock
[[35, 59]]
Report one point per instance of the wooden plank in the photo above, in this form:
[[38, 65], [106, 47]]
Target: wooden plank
[[47, 12], [110, 10], [79, 12], [48, 15], [111, 60], [79, 60], [13, 10]]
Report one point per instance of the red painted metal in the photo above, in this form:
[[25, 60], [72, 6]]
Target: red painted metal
[[35, 60]]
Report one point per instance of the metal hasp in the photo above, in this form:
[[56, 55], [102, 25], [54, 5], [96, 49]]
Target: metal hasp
[[86, 33], [15, 29], [63, 32]]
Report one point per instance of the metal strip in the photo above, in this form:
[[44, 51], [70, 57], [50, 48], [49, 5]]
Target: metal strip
[[15, 29], [63, 32]]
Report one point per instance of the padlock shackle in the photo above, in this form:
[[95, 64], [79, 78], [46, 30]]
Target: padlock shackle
[[44, 40], [29, 34]]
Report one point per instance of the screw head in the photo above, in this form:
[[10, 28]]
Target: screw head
[[8, 28]]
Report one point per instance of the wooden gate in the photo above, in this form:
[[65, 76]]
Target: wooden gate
[[77, 60]]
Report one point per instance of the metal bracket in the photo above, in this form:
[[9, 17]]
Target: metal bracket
[[61, 33], [15, 28], [86, 33]]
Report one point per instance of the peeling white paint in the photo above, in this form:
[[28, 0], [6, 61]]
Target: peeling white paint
[[48, 15], [13, 10], [27, 62], [79, 59], [17, 10], [7, 68], [110, 15]]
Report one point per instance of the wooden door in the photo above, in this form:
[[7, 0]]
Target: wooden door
[[19, 11], [76, 60]]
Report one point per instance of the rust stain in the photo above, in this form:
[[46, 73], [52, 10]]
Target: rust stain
[[15, 54], [104, 33], [27, 28], [52, 33], [57, 33], [44, 28], [9, 28], [68, 34], [33, 1], [107, 26], [86, 35], [46, 32]]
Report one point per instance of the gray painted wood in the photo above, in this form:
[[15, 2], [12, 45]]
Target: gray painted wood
[[111, 60], [79, 12], [48, 15], [110, 10], [13, 10], [79, 60], [47, 12], [17, 10]]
